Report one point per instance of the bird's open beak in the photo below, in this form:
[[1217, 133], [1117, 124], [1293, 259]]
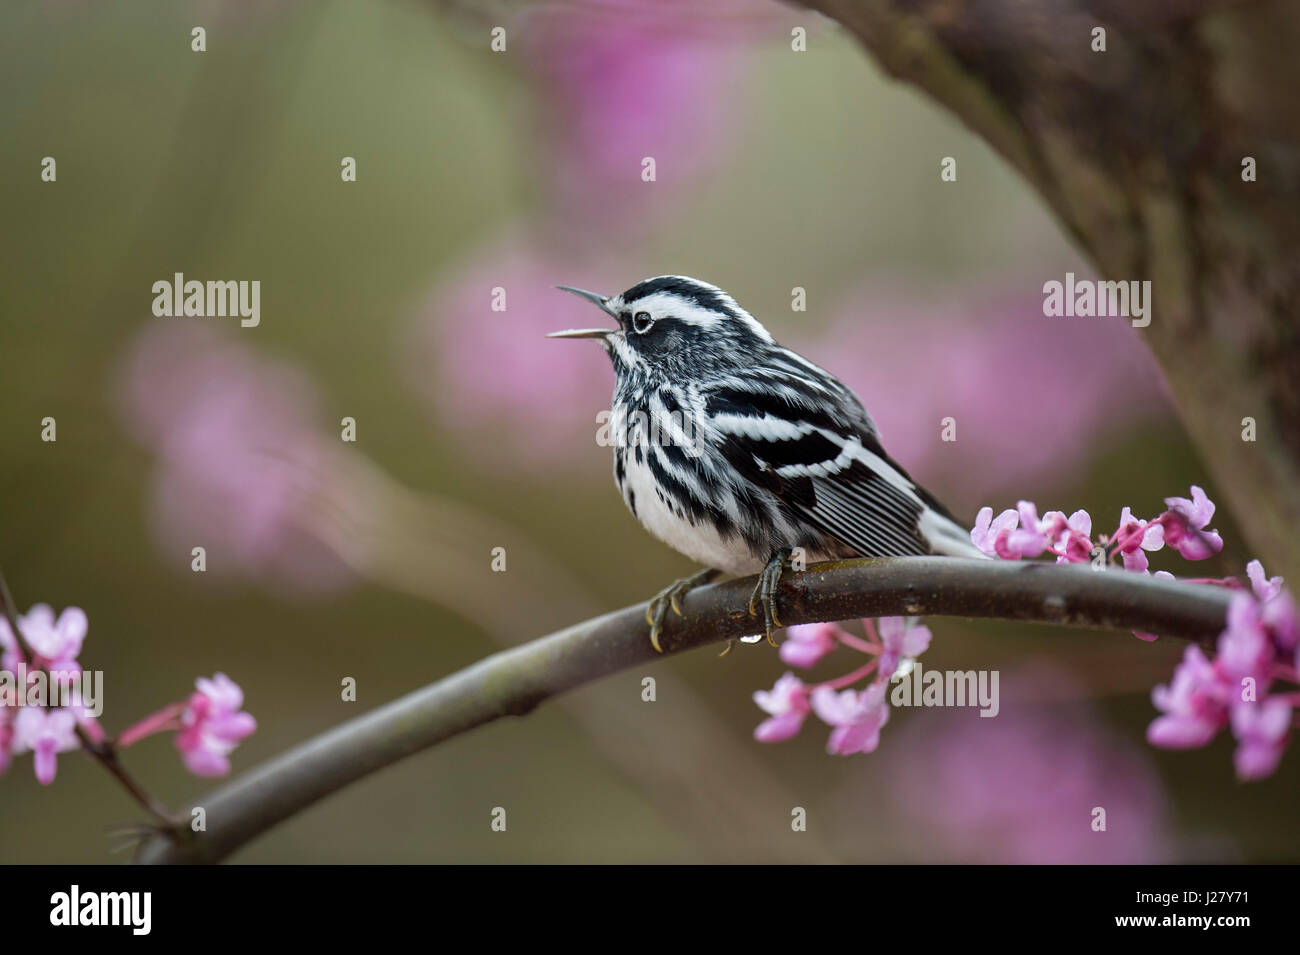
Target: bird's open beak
[[599, 300]]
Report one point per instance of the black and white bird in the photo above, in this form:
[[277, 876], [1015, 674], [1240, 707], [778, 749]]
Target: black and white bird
[[736, 451]]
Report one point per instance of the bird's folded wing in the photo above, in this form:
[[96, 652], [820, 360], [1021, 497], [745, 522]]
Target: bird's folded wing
[[829, 470]]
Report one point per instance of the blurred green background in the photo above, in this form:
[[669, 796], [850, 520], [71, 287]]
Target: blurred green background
[[812, 170]]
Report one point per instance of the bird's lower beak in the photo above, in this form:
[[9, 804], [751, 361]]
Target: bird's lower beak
[[582, 333]]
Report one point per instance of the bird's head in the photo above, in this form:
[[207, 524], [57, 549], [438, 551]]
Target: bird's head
[[674, 325]]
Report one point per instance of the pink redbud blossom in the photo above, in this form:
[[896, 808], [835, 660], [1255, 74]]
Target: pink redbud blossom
[[988, 531], [1074, 545], [56, 642], [903, 638], [1195, 705], [1184, 526], [807, 643], [1261, 731], [1244, 648], [856, 716], [46, 732], [787, 704], [212, 726], [1265, 588]]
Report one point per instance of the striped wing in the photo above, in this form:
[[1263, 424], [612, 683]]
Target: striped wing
[[803, 436]]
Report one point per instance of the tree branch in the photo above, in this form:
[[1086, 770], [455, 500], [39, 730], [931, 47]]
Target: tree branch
[[514, 682]]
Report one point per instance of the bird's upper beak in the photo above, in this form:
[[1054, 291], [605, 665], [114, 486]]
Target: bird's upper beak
[[599, 300]]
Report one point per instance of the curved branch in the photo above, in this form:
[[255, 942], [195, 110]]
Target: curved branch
[[513, 682]]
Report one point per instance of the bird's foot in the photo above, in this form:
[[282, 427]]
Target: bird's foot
[[765, 594], [671, 596]]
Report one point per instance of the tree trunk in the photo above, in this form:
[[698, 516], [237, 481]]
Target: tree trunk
[[1139, 151]]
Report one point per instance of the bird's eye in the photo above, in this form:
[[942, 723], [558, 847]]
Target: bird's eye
[[641, 322]]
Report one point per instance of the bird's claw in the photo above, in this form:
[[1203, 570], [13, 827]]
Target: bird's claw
[[765, 594], [656, 610]]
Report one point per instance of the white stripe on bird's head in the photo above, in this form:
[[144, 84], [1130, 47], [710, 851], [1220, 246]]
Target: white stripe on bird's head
[[689, 301]]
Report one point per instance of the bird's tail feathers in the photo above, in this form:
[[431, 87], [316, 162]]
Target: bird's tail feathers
[[945, 536]]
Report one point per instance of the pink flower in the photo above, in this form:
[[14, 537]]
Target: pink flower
[[56, 643], [856, 716], [1265, 589], [1278, 613], [1283, 622], [241, 459], [1134, 537], [1027, 540], [591, 68], [1184, 526], [787, 702], [1021, 533], [807, 643], [1074, 540], [212, 726], [46, 732], [1195, 704], [1261, 730], [904, 638], [989, 532], [1244, 648]]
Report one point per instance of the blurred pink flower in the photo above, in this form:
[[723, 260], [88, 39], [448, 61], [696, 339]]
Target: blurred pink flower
[[46, 733], [856, 717], [904, 638], [493, 378], [621, 82], [239, 454], [1237, 687], [806, 643], [981, 360], [1265, 588], [1024, 788], [56, 643], [1245, 650], [787, 704], [213, 725], [1261, 730], [1194, 704]]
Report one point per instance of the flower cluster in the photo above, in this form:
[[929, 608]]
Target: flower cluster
[[1018, 533], [212, 725], [26, 723], [208, 726], [1259, 645], [855, 716]]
